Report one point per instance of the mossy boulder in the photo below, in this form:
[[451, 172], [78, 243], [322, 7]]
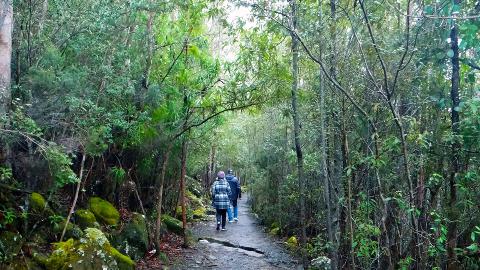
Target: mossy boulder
[[174, 225], [123, 261], [37, 202], [104, 211], [133, 239], [91, 252], [292, 242], [85, 219]]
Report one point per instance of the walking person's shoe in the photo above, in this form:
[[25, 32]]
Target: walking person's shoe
[[223, 229], [218, 226], [235, 219], [231, 221]]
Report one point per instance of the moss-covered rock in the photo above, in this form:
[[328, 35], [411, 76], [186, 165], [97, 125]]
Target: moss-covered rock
[[37, 202], [62, 256], [104, 211], [85, 219], [124, 262], [91, 252], [292, 242], [133, 239], [174, 225]]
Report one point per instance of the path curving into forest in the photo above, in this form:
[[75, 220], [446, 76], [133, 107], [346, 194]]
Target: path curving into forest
[[243, 246]]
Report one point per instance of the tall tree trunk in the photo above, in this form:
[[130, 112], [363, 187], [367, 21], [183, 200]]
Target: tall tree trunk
[[160, 183], [455, 164], [43, 15], [334, 183], [182, 188], [296, 128], [6, 26], [323, 153], [148, 59]]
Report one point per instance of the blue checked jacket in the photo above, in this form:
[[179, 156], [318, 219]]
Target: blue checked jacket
[[221, 193]]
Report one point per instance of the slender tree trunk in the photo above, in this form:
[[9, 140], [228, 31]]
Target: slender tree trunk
[[334, 183], [75, 198], [43, 15], [323, 153], [161, 183], [296, 128], [148, 59], [455, 162], [213, 165], [182, 188], [6, 26]]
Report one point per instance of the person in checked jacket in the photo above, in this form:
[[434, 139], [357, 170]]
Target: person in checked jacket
[[221, 193]]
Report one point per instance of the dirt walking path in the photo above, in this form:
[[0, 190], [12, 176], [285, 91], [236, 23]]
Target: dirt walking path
[[243, 246]]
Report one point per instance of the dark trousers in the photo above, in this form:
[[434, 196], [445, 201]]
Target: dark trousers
[[221, 217]]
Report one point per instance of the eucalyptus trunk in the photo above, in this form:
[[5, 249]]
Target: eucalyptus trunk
[[6, 26]]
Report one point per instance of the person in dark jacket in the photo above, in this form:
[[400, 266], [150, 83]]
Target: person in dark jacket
[[236, 194], [221, 193]]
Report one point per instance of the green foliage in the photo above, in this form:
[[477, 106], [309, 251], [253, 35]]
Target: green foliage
[[56, 220], [60, 166], [104, 211], [98, 140], [20, 121], [8, 217], [118, 174], [405, 264], [5, 174], [440, 229]]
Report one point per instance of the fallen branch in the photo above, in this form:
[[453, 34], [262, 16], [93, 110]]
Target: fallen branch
[[79, 184]]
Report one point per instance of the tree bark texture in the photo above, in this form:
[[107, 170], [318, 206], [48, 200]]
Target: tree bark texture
[[6, 26], [455, 162], [182, 187]]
